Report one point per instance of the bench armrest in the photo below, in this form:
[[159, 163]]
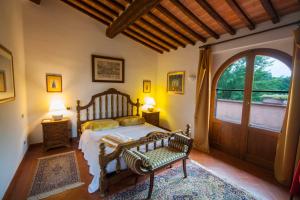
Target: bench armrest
[[136, 162], [181, 143]]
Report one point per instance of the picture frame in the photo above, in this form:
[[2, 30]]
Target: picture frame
[[2, 81], [146, 86], [7, 80], [108, 69], [54, 82], [175, 82]]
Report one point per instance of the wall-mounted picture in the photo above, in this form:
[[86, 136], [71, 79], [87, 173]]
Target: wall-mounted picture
[[146, 86], [7, 85], [107, 69], [54, 82], [176, 82]]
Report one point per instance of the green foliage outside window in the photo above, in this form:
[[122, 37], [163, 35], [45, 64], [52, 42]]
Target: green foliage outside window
[[233, 78]]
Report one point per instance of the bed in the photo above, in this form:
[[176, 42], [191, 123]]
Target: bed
[[105, 163]]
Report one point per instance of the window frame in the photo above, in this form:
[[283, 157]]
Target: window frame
[[251, 53]]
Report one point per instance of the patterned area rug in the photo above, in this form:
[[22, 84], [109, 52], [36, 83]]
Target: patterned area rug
[[200, 184], [54, 175]]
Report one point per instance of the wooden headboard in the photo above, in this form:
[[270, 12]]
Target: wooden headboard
[[109, 104]]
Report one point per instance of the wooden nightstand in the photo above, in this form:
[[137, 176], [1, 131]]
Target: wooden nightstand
[[56, 133], [151, 117]]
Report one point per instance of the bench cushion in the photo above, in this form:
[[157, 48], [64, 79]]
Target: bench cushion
[[162, 156]]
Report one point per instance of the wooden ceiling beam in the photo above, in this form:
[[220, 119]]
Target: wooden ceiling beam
[[216, 16], [142, 42], [195, 19], [107, 8], [134, 11], [128, 1], [87, 5], [38, 2], [153, 35], [140, 28], [171, 28], [165, 34], [168, 14], [241, 14], [116, 4], [86, 12], [269, 8], [94, 13], [147, 39]]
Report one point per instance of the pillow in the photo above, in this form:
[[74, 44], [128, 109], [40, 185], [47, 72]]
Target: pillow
[[98, 125], [131, 120]]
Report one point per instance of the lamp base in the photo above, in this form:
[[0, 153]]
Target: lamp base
[[150, 109], [57, 117]]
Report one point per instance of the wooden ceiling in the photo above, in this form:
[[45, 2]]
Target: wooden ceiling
[[163, 25]]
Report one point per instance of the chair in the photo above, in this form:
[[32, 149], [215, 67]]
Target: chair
[[178, 148], [295, 188]]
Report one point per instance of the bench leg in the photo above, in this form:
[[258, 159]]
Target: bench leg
[[184, 167], [151, 185]]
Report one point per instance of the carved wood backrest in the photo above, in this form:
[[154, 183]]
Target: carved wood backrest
[[156, 138], [109, 104]]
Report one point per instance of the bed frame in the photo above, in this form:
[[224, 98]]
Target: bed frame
[[112, 104], [109, 104]]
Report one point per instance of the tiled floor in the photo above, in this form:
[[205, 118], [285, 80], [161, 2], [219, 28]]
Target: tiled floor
[[245, 175]]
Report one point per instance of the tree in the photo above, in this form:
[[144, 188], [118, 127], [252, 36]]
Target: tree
[[233, 78]]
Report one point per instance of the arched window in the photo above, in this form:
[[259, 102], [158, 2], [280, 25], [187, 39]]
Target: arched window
[[249, 99]]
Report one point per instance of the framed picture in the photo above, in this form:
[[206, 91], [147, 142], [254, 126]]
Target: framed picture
[[7, 82], [175, 83], [146, 86], [54, 82], [107, 69]]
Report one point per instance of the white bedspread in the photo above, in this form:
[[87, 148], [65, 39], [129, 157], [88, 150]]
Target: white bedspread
[[89, 145]]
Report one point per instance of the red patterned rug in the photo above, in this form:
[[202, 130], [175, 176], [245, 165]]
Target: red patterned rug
[[54, 175]]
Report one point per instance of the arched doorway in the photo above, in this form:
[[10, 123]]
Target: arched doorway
[[249, 98]]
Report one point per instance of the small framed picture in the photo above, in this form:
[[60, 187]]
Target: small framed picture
[[54, 82], [7, 82], [2, 81], [107, 69], [175, 83], [146, 86]]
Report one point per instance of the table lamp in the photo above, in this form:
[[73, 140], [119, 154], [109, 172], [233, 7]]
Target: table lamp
[[149, 104], [57, 109]]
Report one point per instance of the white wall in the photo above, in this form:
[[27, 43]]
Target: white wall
[[60, 39], [13, 127], [178, 110]]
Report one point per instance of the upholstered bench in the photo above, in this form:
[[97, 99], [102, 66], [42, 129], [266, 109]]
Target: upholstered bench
[[142, 163]]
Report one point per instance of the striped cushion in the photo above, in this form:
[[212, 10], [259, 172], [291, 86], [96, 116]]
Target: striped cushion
[[145, 159], [179, 146], [131, 160], [162, 156], [182, 139]]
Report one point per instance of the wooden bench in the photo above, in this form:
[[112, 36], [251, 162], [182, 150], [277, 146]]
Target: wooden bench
[[144, 163]]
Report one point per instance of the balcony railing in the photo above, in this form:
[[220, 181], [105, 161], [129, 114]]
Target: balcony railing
[[264, 115]]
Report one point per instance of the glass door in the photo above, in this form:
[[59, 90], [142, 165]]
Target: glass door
[[250, 94]]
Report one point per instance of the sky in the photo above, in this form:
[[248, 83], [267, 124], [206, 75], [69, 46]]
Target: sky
[[279, 68]]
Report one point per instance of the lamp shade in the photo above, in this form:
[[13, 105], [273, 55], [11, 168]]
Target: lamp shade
[[149, 103], [57, 108]]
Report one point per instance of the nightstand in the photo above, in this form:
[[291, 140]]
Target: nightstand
[[151, 117], [56, 133]]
